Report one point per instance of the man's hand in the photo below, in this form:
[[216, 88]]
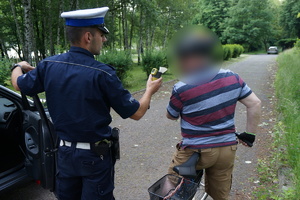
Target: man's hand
[[243, 143], [247, 139], [153, 86], [26, 67]]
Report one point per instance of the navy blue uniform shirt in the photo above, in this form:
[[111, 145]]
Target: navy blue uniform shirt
[[80, 92]]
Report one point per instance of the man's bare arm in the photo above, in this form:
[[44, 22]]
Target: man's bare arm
[[25, 66], [253, 104], [152, 87]]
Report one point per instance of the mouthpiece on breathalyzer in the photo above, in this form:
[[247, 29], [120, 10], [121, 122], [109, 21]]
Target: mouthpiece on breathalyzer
[[156, 74]]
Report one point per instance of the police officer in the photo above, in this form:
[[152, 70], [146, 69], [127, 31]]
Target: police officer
[[80, 92]]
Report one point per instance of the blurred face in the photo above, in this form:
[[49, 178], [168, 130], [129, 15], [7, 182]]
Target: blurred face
[[97, 42], [193, 50], [192, 63]]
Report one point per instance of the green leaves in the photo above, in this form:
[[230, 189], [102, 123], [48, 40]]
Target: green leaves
[[4, 70], [121, 60], [232, 51], [250, 24], [154, 59], [289, 18]]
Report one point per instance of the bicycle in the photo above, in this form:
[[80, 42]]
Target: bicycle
[[190, 185]]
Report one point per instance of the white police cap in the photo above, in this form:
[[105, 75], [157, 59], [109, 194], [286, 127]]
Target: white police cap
[[86, 18]]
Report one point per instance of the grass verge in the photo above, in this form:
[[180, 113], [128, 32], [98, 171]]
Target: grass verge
[[280, 172], [136, 79]]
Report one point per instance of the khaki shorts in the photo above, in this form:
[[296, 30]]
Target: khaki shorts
[[218, 164]]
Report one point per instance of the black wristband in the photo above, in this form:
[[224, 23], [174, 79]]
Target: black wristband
[[14, 66]]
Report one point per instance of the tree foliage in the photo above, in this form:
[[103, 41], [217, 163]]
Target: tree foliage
[[212, 14], [250, 24], [34, 29], [289, 19]]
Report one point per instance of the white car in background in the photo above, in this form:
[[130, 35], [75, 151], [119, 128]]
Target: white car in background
[[272, 50]]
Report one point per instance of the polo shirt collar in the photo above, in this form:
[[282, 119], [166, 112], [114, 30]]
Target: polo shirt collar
[[81, 50]]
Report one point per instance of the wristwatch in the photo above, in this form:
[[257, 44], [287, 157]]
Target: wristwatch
[[14, 66]]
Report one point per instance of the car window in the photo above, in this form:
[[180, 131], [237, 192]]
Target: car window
[[6, 109]]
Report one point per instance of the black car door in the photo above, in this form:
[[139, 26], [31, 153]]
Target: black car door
[[40, 143]]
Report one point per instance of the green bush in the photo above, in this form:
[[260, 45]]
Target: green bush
[[153, 59], [242, 49], [4, 70], [121, 60], [297, 44], [236, 51], [232, 51], [287, 43], [227, 51]]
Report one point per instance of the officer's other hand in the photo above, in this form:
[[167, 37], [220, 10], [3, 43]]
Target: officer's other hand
[[26, 67], [153, 86]]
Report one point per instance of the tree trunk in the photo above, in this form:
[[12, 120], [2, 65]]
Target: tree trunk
[[167, 29], [28, 31], [112, 42], [148, 35], [59, 25], [18, 50], [125, 25], [49, 30], [132, 27], [3, 49], [120, 28], [19, 36], [140, 43]]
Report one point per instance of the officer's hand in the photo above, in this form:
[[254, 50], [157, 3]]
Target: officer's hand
[[26, 67], [153, 86]]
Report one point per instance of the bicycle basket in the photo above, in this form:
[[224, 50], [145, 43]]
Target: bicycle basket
[[172, 187]]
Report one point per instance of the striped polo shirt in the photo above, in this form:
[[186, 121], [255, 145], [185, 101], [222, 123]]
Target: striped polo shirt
[[207, 110]]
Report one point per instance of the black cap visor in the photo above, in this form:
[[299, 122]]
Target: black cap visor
[[103, 28]]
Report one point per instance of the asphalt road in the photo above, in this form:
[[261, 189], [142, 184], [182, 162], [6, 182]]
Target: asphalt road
[[148, 145]]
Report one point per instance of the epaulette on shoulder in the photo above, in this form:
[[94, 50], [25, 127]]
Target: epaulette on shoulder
[[113, 68]]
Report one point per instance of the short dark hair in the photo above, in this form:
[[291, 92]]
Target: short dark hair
[[74, 34]]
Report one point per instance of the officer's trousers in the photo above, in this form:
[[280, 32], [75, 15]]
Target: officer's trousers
[[83, 175]]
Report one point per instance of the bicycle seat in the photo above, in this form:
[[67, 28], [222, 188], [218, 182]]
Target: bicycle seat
[[188, 169]]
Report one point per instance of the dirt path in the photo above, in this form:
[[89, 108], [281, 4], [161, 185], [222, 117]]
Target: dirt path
[[147, 145]]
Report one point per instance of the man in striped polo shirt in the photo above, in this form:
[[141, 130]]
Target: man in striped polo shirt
[[205, 100]]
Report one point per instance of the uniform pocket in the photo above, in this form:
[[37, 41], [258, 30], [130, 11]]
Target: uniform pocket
[[105, 191]]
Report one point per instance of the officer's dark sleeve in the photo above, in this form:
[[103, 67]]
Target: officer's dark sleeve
[[119, 98], [30, 83]]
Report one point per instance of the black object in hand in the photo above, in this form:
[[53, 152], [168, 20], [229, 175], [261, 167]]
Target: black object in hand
[[248, 138]]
